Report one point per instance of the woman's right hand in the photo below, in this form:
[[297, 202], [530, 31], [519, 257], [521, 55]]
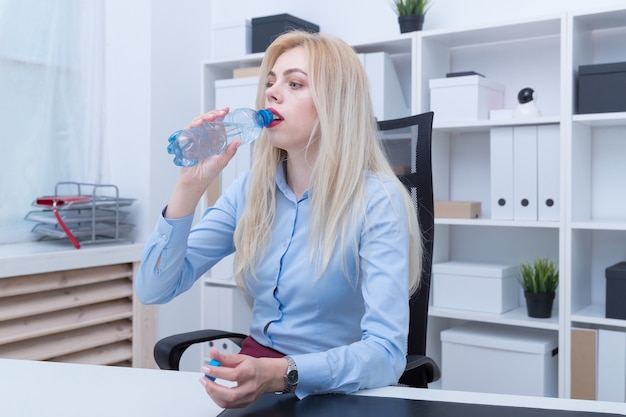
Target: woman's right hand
[[193, 181]]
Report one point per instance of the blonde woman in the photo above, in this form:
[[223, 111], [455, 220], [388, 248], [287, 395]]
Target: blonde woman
[[325, 236]]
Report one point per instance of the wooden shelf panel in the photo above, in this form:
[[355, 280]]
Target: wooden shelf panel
[[112, 354], [29, 284], [38, 303], [87, 314], [61, 344], [65, 320]]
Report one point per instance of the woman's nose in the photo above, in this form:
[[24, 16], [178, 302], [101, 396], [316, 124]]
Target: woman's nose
[[271, 95]]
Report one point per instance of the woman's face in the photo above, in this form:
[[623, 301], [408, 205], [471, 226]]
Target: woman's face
[[289, 97]]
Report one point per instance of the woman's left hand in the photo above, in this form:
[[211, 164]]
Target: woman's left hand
[[252, 377]]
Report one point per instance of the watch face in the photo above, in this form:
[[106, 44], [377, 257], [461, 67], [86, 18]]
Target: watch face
[[292, 377]]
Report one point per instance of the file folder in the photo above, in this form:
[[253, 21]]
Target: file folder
[[385, 87], [548, 173], [525, 173], [611, 365], [501, 163], [584, 363]]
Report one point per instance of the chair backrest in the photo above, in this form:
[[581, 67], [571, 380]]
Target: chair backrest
[[407, 142]]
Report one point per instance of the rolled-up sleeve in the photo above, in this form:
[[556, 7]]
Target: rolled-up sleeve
[[177, 252], [155, 281]]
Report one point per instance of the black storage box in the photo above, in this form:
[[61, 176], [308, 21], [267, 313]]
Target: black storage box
[[266, 29], [601, 88], [616, 291]]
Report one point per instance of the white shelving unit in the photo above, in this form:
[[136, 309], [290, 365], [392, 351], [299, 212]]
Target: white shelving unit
[[516, 55], [596, 217], [590, 233]]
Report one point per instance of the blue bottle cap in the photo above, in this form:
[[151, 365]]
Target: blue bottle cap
[[212, 362], [266, 117]]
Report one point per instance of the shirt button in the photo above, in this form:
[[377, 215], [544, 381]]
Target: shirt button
[[164, 237]]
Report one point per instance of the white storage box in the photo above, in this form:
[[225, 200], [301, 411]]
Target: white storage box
[[464, 98], [488, 288], [482, 357], [231, 40]]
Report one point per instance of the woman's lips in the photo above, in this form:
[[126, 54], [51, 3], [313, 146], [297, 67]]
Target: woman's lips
[[277, 118]]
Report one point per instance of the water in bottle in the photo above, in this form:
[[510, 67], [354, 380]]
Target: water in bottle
[[189, 146]]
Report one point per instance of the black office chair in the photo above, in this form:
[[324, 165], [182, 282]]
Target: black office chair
[[414, 168], [407, 142]]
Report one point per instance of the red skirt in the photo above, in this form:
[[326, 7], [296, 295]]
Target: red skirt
[[253, 348]]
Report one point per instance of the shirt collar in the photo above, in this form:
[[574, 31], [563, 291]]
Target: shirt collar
[[281, 182]]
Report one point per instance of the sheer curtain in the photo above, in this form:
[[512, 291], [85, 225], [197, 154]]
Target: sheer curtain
[[51, 102]]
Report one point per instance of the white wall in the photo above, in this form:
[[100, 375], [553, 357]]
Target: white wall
[[360, 21], [153, 54]]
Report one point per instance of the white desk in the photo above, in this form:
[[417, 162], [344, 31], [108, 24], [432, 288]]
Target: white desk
[[51, 389], [46, 389]]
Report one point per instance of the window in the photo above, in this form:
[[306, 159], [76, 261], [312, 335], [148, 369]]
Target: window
[[51, 105]]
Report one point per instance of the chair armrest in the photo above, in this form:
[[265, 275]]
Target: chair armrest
[[168, 351], [428, 365]]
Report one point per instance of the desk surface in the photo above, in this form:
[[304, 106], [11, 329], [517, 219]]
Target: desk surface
[[29, 388]]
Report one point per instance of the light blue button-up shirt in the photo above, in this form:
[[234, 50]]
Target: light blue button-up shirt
[[344, 334]]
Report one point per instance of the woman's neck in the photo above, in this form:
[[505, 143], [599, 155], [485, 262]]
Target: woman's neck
[[298, 173]]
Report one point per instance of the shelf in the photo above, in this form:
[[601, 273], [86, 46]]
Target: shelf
[[497, 223], [601, 119], [397, 45], [503, 33], [595, 314], [240, 62], [227, 282], [486, 125], [599, 225], [40, 257], [515, 317], [606, 19]]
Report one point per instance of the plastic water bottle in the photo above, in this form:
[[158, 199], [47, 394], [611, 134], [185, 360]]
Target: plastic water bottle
[[189, 146]]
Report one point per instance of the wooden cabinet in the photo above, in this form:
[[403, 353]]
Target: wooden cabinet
[[86, 314]]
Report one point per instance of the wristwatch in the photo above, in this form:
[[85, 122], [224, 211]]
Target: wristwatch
[[291, 376]]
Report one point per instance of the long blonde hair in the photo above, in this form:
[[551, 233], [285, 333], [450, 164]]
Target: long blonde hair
[[348, 149]]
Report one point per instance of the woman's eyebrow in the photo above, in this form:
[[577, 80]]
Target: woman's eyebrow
[[288, 71]]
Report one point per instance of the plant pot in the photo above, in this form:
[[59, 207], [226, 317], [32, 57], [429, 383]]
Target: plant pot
[[410, 23], [539, 305]]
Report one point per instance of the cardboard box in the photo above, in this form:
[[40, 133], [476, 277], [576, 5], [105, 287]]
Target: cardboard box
[[500, 359], [457, 209], [616, 291], [266, 29], [465, 98], [246, 72], [487, 288], [232, 40], [584, 364], [601, 88]]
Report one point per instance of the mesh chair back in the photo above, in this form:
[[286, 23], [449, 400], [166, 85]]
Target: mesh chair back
[[407, 142]]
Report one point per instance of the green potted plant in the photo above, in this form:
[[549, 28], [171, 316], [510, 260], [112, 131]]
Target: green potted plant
[[411, 14], [539, 280]]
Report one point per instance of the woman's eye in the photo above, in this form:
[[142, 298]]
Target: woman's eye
[[294, 84], [269, 84]]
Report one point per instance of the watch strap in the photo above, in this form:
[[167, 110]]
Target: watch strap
[[291, 376]]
